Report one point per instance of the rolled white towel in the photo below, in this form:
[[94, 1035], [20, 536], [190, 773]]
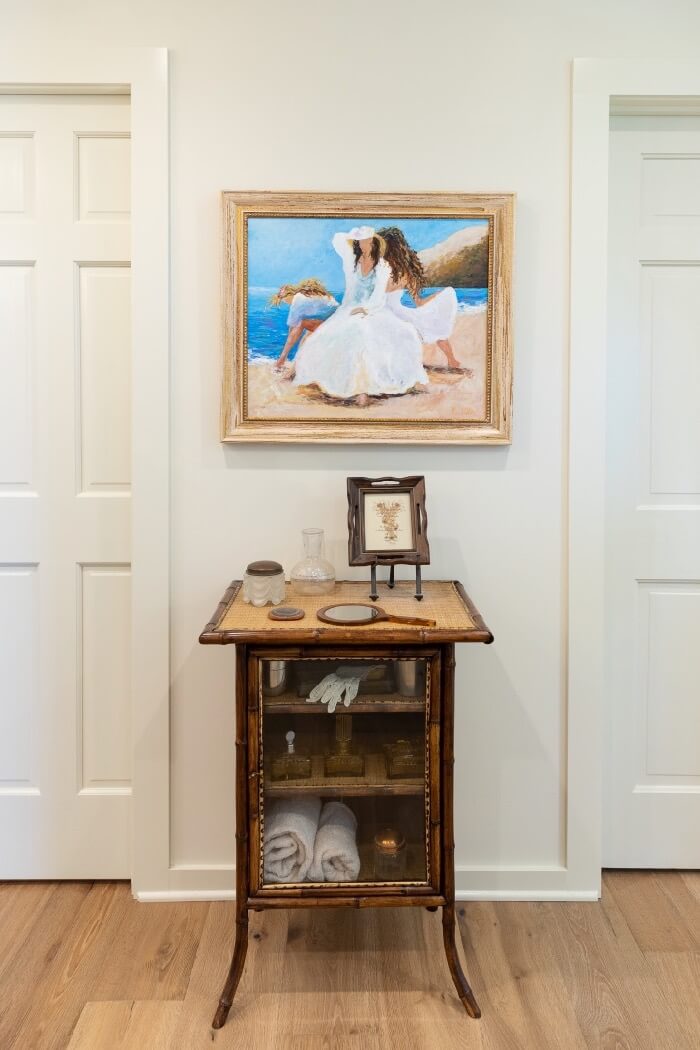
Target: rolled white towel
[[335, 852], [290, 833]]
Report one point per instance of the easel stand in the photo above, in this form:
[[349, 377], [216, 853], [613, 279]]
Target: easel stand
[[374, 593]]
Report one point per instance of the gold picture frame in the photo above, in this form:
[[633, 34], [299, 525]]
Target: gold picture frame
[[386, 329]]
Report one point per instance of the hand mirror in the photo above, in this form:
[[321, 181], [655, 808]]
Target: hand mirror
[[360, 614]]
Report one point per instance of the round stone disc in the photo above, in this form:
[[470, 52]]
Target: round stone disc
[[286, 612]]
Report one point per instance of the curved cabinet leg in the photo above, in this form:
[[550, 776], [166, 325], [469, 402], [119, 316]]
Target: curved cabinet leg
[[461, 984], [234, 975]]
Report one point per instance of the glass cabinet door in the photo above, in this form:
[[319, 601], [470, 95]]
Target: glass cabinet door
[[344, 759]]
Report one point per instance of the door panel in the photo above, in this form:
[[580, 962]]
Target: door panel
[[670, 307], [65, 547], [104, 315], [652, 811], [105, 673], [673, 680], [19, 598]]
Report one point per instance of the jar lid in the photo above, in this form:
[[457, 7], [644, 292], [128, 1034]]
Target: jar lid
[[264, 568]]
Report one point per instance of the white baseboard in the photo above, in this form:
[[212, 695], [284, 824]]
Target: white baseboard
[[162, 896], [527, 895], [553, 883], [171, 896]]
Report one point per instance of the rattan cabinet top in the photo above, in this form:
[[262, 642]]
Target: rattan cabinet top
[[445, 601]]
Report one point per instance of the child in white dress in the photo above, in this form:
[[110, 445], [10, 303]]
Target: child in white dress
[[309, 304], [435, 315]]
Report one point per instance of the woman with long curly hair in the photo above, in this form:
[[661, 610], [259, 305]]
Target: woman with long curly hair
[[363, 349], [435, 315], [310, 304]]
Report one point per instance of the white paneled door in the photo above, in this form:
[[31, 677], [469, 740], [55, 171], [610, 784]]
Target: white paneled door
[[65, 737], [652, 792]]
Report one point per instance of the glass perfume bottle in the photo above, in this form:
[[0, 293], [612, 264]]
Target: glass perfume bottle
[[343, 760], [313, 574], [404, 758], [291, 765]]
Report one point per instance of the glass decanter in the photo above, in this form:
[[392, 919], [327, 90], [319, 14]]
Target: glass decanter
[[313, 574]]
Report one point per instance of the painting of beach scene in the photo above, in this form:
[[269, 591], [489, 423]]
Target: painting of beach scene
[[365, 325]]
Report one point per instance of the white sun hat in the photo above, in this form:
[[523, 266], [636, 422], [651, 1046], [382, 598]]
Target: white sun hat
[[361, 233]]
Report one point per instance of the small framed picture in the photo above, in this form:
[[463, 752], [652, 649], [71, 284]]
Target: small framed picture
[[387, 522]]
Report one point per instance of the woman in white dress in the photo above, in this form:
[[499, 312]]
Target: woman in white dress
[[435, 315], [364, 348]]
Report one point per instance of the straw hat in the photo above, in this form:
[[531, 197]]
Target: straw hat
[[361, 233]]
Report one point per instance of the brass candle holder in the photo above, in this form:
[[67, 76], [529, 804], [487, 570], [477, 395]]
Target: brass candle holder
[[389, 855], [343, 761]]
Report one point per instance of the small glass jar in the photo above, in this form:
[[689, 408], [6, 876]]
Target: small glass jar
[[410, 677], [313, 574], [275, 674], [389, 855], [263, 582]]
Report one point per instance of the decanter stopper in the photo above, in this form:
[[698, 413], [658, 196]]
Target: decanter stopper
[[289, 737]]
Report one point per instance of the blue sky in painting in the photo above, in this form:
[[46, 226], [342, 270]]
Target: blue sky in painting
[[282, 250]]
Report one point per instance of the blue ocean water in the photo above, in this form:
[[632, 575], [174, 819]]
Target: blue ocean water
[[267, 325]]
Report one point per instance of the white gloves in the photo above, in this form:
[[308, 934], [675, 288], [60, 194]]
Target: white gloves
[[345, 680]]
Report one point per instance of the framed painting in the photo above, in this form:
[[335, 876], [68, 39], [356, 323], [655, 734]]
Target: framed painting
[[368, 317]]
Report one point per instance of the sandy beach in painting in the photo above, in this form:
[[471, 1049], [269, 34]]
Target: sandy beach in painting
[[449, 395]]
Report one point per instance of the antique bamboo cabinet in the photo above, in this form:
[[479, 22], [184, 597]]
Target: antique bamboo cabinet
[[344, 757]]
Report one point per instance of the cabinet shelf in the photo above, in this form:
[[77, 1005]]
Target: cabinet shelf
[[289, 703], [374, 782]]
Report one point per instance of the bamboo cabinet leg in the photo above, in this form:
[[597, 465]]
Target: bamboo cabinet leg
[[241, 944], [448, 839], [237, 964], [460, 981]]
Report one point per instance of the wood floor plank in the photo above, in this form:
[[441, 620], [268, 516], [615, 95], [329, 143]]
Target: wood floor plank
[[117, 949], [126, 1026], [267, 939], [85, 966], [692, 881], [58, 995], [149, 949], [316, 978], [305, 1026], [615, 994], [678, 975], [34, 964], [21, 907], [513, 973], [659, 909], [20, 896]]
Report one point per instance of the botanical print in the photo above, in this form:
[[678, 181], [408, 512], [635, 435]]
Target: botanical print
[[367, 318], [388, 512], [387, 522]]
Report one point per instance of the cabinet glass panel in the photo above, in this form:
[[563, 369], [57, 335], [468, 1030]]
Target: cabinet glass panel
[[344, 761]]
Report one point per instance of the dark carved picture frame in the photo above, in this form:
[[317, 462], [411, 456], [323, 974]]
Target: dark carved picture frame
[[358, 553]]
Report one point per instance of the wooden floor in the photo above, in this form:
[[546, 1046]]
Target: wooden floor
[[84, 967]]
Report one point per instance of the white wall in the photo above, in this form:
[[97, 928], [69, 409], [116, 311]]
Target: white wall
[[378, 95]]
